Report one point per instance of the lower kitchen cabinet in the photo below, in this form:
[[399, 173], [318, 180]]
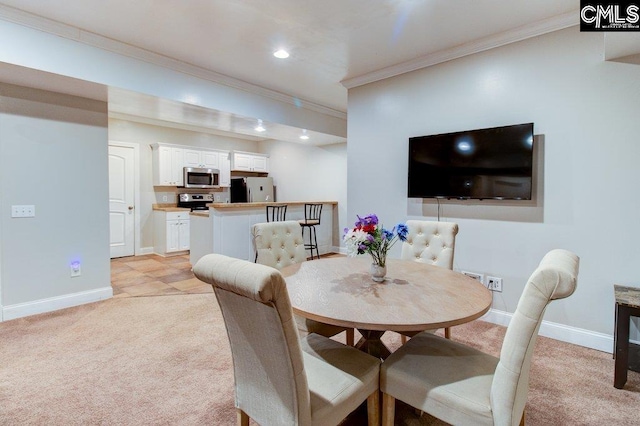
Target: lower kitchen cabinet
[[171, 232]]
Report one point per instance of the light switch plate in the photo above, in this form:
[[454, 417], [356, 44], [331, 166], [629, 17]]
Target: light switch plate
[[23, 210]]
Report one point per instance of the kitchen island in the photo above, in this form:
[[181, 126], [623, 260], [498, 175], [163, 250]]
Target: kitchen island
[[228, 229]]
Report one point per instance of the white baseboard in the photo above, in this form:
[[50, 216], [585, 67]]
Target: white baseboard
[[577, 336], [54, 303], [145, 250]]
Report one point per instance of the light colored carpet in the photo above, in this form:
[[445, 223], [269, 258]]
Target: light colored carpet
[[165, 360]]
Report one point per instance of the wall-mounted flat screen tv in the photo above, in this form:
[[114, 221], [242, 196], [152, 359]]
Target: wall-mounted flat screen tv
[[495, 163]]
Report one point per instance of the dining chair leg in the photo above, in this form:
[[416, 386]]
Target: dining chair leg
[[373, 409], [243, 418], [350, 336], [447, 333], [522, 419], [388, 409]]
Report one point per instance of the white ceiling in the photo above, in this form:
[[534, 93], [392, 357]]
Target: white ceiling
[[333, 43]]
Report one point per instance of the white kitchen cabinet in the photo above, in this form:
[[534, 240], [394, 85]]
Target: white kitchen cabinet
[[249, 162], [177, 235], [210, 159], [201, 159], [172, 233], [225, 170], [168, 164]]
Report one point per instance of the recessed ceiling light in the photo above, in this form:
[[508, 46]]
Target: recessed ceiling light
[[281, 54], [304, 135], [259, 127]]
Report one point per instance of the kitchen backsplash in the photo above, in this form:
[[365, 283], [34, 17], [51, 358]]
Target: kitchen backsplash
[[171, 195]]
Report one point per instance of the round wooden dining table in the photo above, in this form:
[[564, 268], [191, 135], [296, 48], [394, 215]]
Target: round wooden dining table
[[413, 297]]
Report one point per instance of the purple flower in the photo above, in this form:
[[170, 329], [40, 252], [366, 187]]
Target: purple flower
[[371, 219]]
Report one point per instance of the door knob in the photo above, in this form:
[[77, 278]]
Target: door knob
[[130, 207]]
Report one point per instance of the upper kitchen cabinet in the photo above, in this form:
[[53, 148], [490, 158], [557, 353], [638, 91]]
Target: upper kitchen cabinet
[[169, 162], [225, 169], [202, 159], [168, 165], [249, 162]]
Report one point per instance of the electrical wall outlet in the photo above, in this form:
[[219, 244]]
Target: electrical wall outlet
[[475, 276], [76, 270], [164, 198], [494, 284]]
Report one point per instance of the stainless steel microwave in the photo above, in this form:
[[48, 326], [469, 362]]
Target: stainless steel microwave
[[195, 177]]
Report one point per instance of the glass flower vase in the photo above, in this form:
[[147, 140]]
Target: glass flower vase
[[378, 272]]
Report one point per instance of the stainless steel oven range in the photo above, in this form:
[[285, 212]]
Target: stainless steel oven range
[[195, 201]]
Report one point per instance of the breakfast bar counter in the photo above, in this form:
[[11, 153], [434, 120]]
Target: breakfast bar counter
[[264, 204], [228, 230]]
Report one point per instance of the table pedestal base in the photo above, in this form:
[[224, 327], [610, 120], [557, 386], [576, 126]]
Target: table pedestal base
[[371, 344]]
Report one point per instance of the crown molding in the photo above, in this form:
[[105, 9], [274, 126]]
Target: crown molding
[[26, 19], [181, 126], [524, 32]]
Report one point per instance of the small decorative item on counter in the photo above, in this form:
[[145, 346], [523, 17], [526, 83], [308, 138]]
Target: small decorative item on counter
[[368, 236]]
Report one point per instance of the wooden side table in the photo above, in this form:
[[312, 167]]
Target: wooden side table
[[627, 305]]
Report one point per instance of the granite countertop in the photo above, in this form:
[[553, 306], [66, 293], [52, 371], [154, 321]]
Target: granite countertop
[[263, 204], [169, 208], [628, 296]]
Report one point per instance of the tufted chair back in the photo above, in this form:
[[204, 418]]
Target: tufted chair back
[[555, 278], [430, 242], [278, 244]]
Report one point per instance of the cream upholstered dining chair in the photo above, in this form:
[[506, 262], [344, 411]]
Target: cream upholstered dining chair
[[432, 243], [280, 244], [280, 378], [460, 384]]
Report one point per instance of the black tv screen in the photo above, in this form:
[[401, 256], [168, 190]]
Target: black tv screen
[[495, 163]]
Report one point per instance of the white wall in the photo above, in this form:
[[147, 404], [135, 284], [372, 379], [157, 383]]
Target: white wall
[[310, 173], [53, 154], [585, 110], [144, 135]]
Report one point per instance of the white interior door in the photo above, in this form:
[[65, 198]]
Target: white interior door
[[121, 200]]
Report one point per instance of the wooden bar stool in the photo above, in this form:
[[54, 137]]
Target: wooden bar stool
[[312, 214]]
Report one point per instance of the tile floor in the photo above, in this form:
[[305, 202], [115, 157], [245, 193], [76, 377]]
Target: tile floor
[[153, 275]]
